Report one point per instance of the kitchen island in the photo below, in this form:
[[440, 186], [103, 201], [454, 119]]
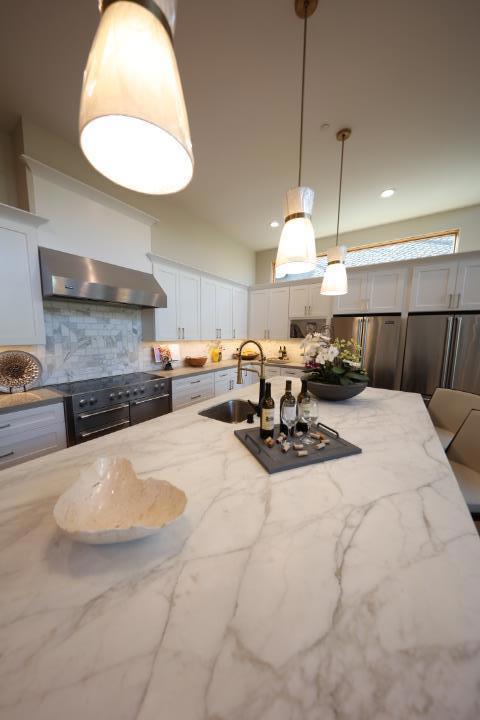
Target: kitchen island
[[349, 589]]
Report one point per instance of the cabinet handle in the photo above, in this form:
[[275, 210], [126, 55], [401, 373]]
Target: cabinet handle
[[102, 429], [309, 309], [179, 334], [450, 296], [192, 382], [2, 427], [12, 452], [85, 416], [458, 300], [233, 333], [183, 333], [157, 397], [195, 397], [220, 333], [305, 309]]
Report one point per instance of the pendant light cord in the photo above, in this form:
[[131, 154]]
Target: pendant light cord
[[305, 5], [340, 190]]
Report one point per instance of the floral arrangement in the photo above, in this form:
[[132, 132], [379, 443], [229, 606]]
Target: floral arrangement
[[337, 362]]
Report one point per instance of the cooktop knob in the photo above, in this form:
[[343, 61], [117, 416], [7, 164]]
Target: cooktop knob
[[127, 393], [120, 394], [155, 387], [135, 391], [92, 400], [142, 389], [112, 396], [82, 403]]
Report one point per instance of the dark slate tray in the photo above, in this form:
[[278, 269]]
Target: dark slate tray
[[274, 460]]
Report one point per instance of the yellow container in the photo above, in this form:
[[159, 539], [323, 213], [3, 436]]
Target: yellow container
[[215, 354]]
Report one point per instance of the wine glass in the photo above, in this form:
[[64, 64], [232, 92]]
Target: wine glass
[[304, 415], [313, 415], [289, 413]]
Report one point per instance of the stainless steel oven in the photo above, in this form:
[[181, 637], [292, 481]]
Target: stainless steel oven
[[100, 406]]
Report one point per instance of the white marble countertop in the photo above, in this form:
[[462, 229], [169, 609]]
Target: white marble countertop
[[187, 371], [10, 402], [349, 589]]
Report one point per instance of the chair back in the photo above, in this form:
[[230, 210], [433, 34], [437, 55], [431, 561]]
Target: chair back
[[449, 408], [465, 446]]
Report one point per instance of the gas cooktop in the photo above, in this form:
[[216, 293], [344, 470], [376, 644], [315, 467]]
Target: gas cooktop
[[103, 383]]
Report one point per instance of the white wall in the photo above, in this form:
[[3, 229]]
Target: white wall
[[178, 236], [8, 192], [466, 220]]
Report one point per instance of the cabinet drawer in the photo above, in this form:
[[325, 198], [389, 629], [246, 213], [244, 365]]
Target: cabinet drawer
[[195, 397], [201, 380], [24, 421], [187, 391], [29, 445]]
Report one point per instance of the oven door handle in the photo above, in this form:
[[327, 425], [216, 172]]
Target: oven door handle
[[102, 412], [157, 397], [103, 429]]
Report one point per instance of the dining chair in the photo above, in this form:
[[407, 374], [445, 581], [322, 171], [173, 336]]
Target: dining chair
[[448, 409], [464, 457]]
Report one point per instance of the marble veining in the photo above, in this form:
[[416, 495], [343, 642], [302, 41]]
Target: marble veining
[[349, 589]]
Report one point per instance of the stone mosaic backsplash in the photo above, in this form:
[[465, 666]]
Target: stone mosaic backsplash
[[85, 340]]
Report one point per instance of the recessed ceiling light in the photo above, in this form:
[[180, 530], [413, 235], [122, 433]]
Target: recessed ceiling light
[[274, 224], [387, 193]]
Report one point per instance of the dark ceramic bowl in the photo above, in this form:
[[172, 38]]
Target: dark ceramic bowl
[[324, 391]]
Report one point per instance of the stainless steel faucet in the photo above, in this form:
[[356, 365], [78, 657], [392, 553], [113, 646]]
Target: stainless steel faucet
[[261, 374]]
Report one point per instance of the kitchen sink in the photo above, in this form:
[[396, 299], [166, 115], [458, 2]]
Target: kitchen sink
[[231, 411]]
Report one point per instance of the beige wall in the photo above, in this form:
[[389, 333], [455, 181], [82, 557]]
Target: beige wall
[[179, 235], [467, 220], [8, 191]]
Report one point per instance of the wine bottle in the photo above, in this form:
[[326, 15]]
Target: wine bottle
[[288, 391], [302, 426], [267, 413]]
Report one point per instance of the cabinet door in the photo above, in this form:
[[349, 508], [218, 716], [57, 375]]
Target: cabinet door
[[433, 286], [161, 323], [355, 300], [21, 318], [258, 314], [189, 305], [239, 313], [278, 325], [468, 285], [208, 318], [223, 311], [319, 305], [299, 301], [386, 290]]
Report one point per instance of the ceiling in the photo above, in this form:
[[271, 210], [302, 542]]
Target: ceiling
[[403, 75]]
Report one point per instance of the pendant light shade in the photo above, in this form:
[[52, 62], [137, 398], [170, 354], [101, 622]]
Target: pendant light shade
[[133, 120], [335, 278], [296, 250]]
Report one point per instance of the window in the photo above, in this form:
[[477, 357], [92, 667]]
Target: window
[[395, 251]]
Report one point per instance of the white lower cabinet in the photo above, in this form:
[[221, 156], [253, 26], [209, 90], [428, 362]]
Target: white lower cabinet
[[27, 434], [225, 381], [193, 389]]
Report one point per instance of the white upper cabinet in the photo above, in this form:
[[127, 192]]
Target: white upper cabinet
[[468, 285], [180, 320], [208, 315], [433, 286], [373, 291], [307, 301], [385, 290], [269, 314], [21, 319], [353, 301], [239, 313], [258, 319], [224, 311], [188, 303]]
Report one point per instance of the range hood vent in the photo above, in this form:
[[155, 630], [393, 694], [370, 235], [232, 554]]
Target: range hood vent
[[73, 277]]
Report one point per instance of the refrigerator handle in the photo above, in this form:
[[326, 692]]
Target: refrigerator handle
[[364, 338], [447, 352], [360, 332], [456, 344]]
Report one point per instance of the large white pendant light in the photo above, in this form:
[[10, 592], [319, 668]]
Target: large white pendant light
[[133, 120], [335, 278], [296, 249]]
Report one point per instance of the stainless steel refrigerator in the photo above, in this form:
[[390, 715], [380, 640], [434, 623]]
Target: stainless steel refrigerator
[[379, 338], [442, 351]]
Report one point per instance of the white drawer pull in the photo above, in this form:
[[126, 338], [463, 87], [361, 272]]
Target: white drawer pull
[[2, 427], [195, 397], [12, 452], [192, 382]]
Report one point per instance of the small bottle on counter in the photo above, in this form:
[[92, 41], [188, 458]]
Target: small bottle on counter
[[280, 353], [302, 426], [267, 413], [284, 353]]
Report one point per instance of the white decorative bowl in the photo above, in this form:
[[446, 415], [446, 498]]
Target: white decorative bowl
[[110, 504]]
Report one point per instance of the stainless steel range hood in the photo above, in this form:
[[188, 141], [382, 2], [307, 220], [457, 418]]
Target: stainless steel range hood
[[74, 277]]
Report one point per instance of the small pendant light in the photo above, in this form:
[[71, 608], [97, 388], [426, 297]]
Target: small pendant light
[[133, 120], [296, 250], [335, 278]]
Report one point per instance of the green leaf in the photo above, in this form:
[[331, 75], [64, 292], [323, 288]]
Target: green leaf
[[345, 381], [360, 377], [338, 370]]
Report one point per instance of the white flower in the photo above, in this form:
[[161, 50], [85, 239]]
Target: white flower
[[332, 353], [353, 364]]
